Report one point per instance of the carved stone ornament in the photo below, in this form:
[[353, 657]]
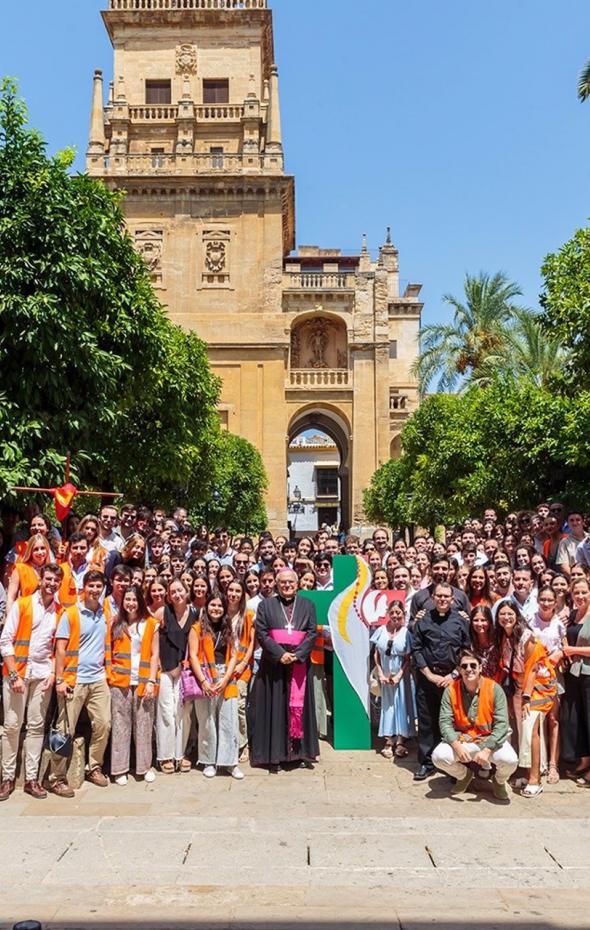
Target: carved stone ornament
[[215, 256], [149, 243], [295, 349], [318, 343], [186, 59]]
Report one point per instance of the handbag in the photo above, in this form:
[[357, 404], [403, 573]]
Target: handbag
[[190, 689], [58, 742]]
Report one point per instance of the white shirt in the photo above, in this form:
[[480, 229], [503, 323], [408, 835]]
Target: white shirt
[[40, 660], [549, 633], [112, 541], [583, 552], [529, 608], [136, 638], [78, 575]]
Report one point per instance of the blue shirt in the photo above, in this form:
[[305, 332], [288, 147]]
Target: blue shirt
[[93, 631]]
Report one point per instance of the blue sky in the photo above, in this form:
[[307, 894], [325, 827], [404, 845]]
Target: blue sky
[[454, 122]]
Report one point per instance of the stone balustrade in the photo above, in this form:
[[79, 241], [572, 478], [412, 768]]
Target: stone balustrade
[[219, 111], [323, 378], [162, 164], [187, 4], [153, 112], [318, 280]]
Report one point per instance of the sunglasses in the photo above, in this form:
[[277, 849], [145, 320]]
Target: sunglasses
[[389, 648], [468, 666]]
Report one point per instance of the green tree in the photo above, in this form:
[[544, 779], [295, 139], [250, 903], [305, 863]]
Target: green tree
[[584, 83], [530, 354], [566, 304], [477, 335], [508, 445], [90, 363], [239, 478]]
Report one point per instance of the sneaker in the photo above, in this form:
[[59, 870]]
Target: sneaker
[[462, 784], [149, 776], [500, 791], [236, 772], [97, 777], [209, 771], [121, 780]]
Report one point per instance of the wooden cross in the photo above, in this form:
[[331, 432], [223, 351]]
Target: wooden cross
[[64, 495]]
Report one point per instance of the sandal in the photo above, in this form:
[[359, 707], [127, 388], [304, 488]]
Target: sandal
[[400, 751], [167, 767], [185, 766], [532, 791], [583, 782], [387, 752], [553, 777]]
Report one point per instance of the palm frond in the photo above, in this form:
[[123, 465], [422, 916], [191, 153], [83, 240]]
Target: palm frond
[[584, 83]]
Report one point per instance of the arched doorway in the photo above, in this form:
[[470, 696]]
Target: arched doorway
[[318, 471]]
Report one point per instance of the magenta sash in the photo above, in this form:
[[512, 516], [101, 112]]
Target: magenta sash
[[298, 681]]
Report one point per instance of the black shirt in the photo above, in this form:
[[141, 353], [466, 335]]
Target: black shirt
[[438, 639], [174, 639]]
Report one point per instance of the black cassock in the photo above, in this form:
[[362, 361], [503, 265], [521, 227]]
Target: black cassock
[[270, 740]]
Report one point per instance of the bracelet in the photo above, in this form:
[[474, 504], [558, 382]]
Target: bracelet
[[152, 681]]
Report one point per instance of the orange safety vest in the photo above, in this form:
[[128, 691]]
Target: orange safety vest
[[483, 724], [318, 652], [68, 593], [544, 690], [28, 579], [244, 644], [70, 673], [206, 654], [119, 655], [24, 629]]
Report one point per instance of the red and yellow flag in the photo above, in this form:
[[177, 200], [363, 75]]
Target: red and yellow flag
[[63, 498]]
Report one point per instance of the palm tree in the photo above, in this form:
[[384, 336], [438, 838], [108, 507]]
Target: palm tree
[[584, 83], [530, 354], [477, 336]]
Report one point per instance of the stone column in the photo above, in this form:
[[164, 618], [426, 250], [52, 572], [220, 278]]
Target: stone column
[[97, 137]]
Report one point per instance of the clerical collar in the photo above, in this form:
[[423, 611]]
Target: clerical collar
[[286, 601]]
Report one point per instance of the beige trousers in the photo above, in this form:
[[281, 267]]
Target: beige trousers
[[96, 698], [504, 758], [35, 702]]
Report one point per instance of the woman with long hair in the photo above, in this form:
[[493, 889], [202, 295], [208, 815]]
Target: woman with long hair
[[213, 569], [512, 635], [200, 594], [172, 716], [538, 566], [225, 575], [252, 582], [132, 554], [549, 629], [213, 657], [477, 589], [380, 581], [97, 554], [155, 598], [561, 586], [575, 702], [244, 633], [523, 556], [132, 673], [24, 579], [392, 663], [307, 581], [483, 640]]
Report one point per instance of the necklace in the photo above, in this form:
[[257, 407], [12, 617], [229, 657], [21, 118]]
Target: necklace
[[289, 620]]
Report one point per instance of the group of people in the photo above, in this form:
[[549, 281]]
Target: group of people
[[188, 645]]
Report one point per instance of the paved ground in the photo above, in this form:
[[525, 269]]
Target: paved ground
[[353, 843]]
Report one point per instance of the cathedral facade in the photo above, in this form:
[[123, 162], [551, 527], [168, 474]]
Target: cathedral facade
[[302, 339]]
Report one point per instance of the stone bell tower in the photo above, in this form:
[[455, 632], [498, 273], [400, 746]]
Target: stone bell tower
[[191, 131]]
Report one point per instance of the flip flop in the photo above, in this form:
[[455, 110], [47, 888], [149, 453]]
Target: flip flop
[[387, 752]]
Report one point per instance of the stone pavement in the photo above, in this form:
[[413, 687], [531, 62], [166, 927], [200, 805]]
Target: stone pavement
[[355, 842]]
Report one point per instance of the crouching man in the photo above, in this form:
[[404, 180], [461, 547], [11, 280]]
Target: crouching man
[[474, 729]]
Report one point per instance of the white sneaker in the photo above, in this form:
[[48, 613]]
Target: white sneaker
[[121, 780], [149, 776], [209, 771], [236, 772]]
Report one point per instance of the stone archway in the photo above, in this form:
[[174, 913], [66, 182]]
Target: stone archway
[[335, 426]]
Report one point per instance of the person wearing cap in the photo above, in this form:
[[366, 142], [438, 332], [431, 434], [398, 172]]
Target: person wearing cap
[[284, 728], [474, 729]]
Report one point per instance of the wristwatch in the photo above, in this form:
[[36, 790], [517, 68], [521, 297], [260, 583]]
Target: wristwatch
[[12, 677]]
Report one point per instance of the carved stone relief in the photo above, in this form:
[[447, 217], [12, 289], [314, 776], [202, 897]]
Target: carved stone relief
[[216, 257], [319, 343], [150, 243], [186, 59]]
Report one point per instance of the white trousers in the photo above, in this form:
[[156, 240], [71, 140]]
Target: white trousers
[[504, 758], [218, 731], [172, 719], [35, 701]]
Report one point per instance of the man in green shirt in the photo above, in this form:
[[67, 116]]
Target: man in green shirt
[[474, 728]]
